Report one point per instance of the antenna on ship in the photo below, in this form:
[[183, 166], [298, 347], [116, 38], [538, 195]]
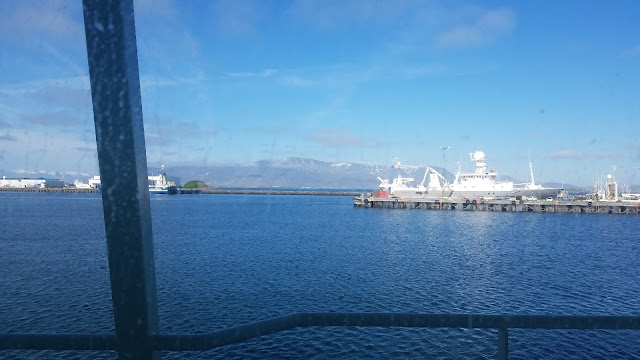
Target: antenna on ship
[[444, 161]]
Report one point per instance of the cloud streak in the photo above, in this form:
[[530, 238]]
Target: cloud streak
[[238, 18], [486, 29], [246, 74], [334, 15], [7, 138], [632, 52], [52, 119], [273, 129], [26, 21], [160, 131], [579, 155], [38, 86], [336, 138]]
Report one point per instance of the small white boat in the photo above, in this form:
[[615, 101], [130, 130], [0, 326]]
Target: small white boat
[[159, 185]]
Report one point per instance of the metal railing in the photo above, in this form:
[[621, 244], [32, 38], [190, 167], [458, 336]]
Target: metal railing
[[201, 342]]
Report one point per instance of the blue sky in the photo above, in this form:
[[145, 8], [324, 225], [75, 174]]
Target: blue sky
[[359, 81]]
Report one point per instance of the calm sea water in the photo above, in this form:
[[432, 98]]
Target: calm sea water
[[226, 260]]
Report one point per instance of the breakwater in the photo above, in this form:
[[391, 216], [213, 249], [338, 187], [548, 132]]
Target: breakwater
[[574, 207], [196, 191], [280, 192]]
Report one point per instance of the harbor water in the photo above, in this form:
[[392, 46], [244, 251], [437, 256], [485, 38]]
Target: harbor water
[[228, 260]]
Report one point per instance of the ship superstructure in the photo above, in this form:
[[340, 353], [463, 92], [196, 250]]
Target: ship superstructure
[[481, 183]]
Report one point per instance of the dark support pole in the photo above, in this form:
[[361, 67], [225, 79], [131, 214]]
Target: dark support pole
[[503, 343], [117, 110]]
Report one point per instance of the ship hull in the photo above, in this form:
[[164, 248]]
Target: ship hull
[[493, 194], [163, 190], [415, 194]]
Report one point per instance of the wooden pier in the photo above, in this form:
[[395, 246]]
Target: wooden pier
[[573, 207]]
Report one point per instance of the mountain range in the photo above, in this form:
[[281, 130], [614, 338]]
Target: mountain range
[[290, 173], [298, 172]]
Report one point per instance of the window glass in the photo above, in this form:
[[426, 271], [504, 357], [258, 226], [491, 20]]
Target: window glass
[[335, 97], [54, 273]]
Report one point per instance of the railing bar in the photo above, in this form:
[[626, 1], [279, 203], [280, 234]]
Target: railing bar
[[303, 320], [173, 342], [58, 341], [225, 337], [503, 344]]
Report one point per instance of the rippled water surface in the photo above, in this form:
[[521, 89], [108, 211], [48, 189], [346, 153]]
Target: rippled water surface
[[226, 260]]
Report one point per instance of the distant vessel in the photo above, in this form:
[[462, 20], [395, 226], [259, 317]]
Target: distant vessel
[[399, 187], [478, 184], [484, 184], [159, 184]]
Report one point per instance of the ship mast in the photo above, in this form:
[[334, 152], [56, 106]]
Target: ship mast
[[533, 182], [444, 160], [612, 184]]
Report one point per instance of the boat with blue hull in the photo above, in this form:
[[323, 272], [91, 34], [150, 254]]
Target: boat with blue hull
[[159, 185]]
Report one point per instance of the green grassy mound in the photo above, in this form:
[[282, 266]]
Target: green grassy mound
[[195, 184]]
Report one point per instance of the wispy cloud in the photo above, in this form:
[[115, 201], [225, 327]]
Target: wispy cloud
[[631, 52], [7, 138], [247, 74], [155, 81], [162, 131], [74, 98], [86, 149], [336, 138], [27, 21], [38, 86], [51, 119], [635, 150], [238, 18], [271, 129], [166, 42], [155, 9], [485, 29], [40, 149], [579, 155], [336, 14], [298, 81]]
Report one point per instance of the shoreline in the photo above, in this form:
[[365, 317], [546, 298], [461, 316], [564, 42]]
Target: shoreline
[[50, 190], [197, 191]]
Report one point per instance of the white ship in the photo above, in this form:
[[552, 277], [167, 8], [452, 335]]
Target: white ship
[[484, 184], [478, 184], [158, 184], [436, 187]]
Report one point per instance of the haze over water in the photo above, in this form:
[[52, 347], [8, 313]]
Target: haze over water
[[227, 260]]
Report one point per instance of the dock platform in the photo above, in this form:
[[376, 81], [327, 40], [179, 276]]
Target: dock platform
[[574, 206]]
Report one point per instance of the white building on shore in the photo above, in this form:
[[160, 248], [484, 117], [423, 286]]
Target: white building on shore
[[31, 183]]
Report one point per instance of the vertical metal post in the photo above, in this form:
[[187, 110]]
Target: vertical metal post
[[117, 111], [503, 343]]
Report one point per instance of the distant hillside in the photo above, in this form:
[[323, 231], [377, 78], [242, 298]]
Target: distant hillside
[[292, 172], [298, 173]]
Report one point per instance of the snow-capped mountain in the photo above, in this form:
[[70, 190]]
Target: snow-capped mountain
[[297, 172]]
